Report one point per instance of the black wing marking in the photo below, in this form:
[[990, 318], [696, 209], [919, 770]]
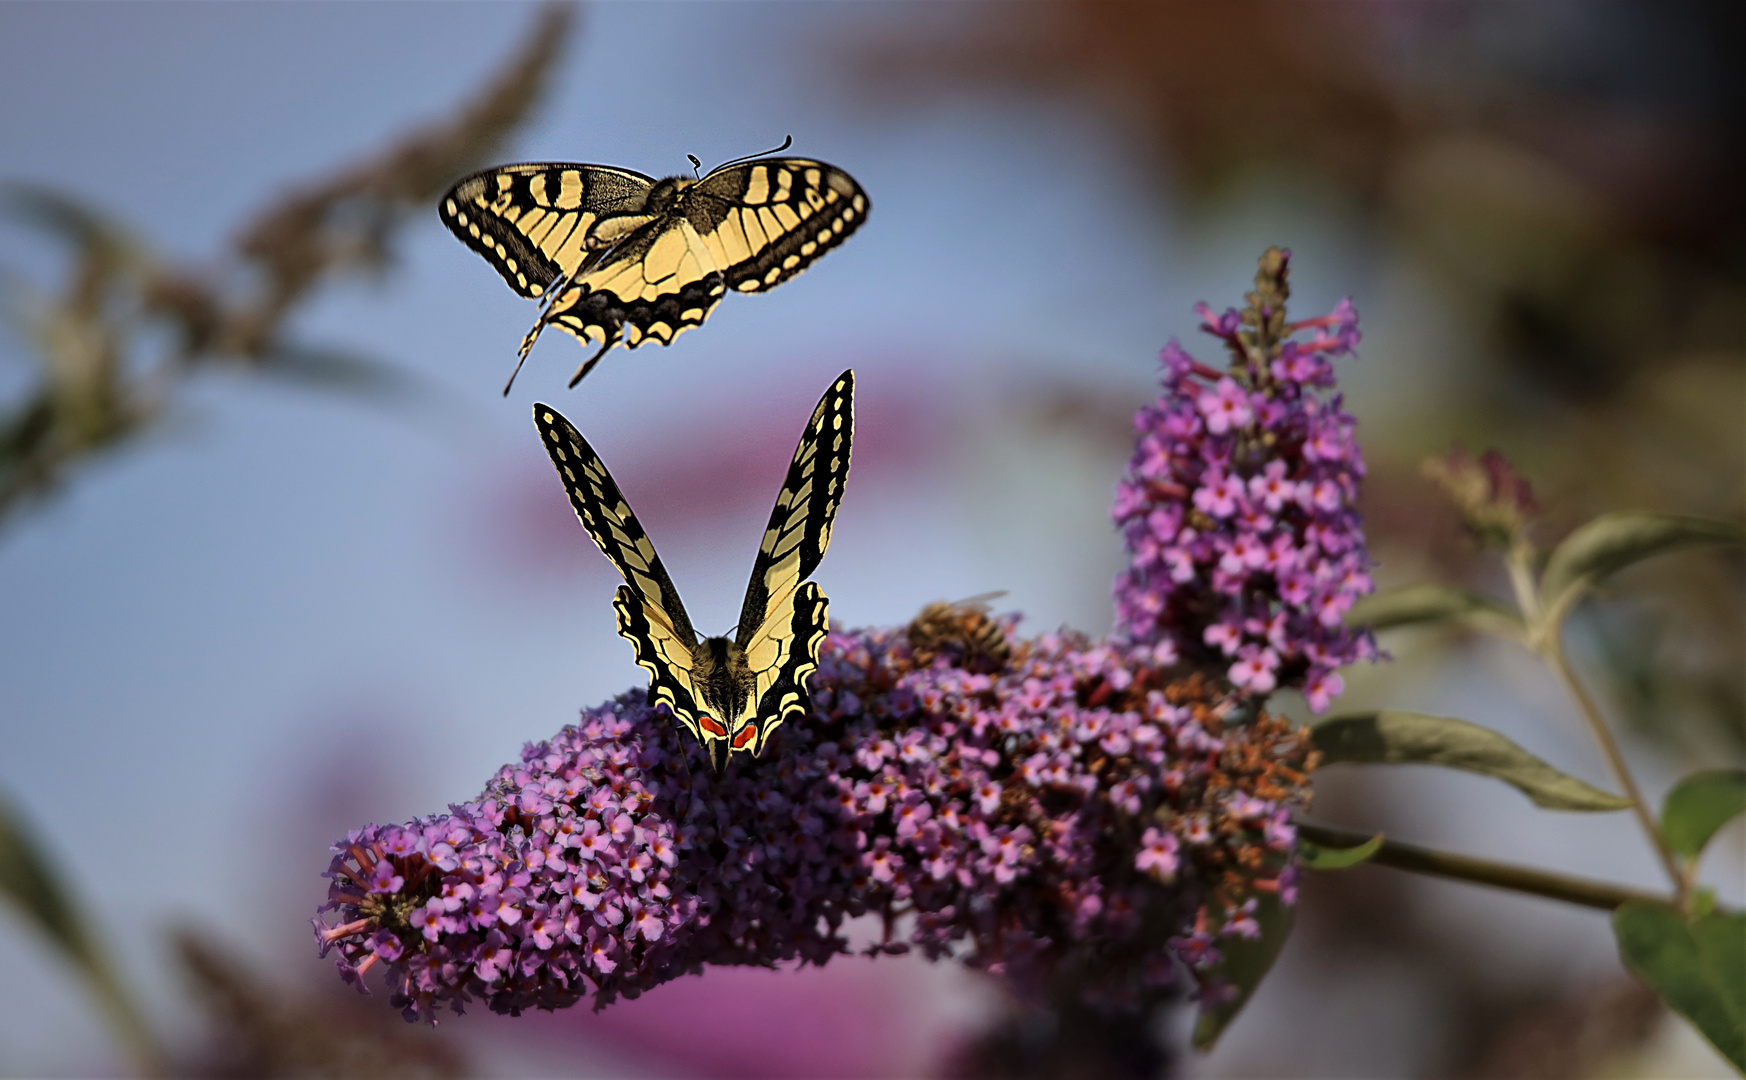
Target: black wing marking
[[767, 220], [609, 520], [531, 221]]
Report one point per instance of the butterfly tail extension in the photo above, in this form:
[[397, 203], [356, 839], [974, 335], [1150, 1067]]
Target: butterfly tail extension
[[545, 314], [588, 364]]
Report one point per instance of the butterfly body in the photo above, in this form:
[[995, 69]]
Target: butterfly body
[[729, 692], [617, 256]]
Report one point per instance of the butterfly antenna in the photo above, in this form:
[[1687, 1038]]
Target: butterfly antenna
[[787, 141], [696, 166]]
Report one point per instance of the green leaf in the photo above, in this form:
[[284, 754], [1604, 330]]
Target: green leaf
[[1415, 605], [1698, 967], [1316, 857], [1395, 737], [30, 884], [1699, 805], [1243, 962], [1612, 542]]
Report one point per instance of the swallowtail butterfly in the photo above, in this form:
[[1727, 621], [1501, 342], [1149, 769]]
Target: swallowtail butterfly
[[729, 692], [617, 256]]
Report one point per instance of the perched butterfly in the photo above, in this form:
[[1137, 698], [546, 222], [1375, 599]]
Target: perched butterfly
[[619, 256], [730, 693]]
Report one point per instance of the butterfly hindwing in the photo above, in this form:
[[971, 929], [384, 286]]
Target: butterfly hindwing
[[531, 221], [788, 643], [654, 285], [664, 655]]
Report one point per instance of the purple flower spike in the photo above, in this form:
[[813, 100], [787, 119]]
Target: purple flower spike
[[1238, 504], [1024, 817]]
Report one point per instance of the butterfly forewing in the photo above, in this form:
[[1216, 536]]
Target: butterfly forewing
[[650, 614], [530, 221], [609, 520], [767, 220], [799, 530]]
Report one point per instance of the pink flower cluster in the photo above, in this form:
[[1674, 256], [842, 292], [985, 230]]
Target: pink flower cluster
[[1023, 817], [1238, 505]]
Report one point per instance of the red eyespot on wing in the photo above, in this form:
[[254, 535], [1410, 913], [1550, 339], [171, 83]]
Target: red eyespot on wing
[[746, 735], [708, 724]]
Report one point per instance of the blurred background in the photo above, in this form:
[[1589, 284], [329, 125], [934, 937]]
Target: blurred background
[[276, 560]]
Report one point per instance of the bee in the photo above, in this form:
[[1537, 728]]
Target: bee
[[962, 630]]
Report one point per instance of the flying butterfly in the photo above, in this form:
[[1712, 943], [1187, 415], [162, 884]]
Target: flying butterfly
[[616, 256], [731, 693]]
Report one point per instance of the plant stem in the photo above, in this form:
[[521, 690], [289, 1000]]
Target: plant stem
[[1546, 638], [1520, 563], [1572, 890], [1552, 651]]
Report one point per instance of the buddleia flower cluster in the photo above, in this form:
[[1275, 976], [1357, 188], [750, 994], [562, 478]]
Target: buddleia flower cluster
[[1023, 820], [1056, 811], [1237, 507]]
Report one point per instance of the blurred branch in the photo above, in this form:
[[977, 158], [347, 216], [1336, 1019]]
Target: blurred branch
[[30, 883], [128, 328]]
